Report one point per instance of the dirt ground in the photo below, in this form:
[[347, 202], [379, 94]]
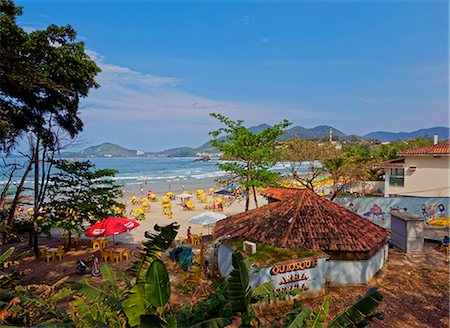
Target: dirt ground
[[415, 290], [415, 287]]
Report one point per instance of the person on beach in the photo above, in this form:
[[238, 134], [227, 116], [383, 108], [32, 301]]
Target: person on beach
[[189, 235]]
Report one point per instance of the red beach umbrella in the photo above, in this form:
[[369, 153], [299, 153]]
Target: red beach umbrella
[[110, 227]]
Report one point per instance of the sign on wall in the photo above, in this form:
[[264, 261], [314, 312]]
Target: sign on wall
[[292, 275]]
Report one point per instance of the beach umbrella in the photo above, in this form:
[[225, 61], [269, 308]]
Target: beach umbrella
[[207, 218], [184, 197], [231, 186], [110, 227]]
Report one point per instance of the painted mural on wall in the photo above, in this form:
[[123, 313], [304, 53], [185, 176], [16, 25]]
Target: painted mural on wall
[[435, 211]]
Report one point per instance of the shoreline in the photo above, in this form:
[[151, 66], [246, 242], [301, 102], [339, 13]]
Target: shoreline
[[161, 188]]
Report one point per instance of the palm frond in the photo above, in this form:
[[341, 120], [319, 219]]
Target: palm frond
[[361, 313], [152, 248], [96, 294]]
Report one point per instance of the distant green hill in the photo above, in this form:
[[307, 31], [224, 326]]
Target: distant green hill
[[442, 131], [318, 132], [103, 150]]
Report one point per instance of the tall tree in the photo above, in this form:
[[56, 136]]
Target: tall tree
[[306, 160], [44, 75], [251, 154], [80, 194]]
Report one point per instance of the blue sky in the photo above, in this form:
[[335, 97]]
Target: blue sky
[[358, 66]]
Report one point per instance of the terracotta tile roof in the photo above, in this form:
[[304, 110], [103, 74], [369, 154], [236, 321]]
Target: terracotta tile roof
[[442, 148], [397, 162], [279, 193], [307, 221]]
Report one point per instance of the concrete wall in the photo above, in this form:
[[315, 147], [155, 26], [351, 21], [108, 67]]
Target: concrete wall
[[430, 178], [334, 272], [224, 260], [355, 272]]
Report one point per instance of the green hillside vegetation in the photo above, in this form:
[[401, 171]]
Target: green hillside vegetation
[[107, 149]]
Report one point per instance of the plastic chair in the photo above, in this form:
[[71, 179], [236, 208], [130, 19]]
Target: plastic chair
[[96, 244], [126, 253], [104, 243], [105, 255], [115, 257], [47, 256], [444, 246], [60, 254]]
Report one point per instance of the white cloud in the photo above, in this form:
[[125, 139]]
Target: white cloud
[[265, 40], [373, 100], [244, 20], [127, 96]]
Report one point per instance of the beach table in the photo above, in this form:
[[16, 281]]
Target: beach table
[[53, 251], [120, 250]]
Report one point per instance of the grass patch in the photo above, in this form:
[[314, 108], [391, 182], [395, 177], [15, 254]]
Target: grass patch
[[267, 254]]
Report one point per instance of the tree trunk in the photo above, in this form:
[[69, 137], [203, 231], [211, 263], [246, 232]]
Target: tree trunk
[[8, 183], [247, 188], [34, 227], [254, 196], [69, 241], [247, 198], [15, 203]]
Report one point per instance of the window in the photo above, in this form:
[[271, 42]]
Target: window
[[397, 177]]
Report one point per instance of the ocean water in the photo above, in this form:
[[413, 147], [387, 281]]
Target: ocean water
[[157, 173]]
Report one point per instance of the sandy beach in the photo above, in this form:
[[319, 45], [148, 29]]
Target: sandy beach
[[180, 216]]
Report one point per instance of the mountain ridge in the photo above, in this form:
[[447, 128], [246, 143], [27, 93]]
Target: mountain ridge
[[317, 132]]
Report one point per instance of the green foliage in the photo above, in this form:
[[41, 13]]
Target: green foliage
[[94, 306], [361, 313], [152, 248], [34, 304], [251, 154], [268, 254], [157, 285], [240, 293], [44, 75], [80, 194], [151, 289]]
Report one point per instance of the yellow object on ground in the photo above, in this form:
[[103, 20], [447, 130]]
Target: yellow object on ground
[[189, 205], [439, 222], [171, 195], [153, 198], [134, 200], [165, 200]]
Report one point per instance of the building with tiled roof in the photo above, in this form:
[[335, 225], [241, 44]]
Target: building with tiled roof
[[356, 248], [419, 172], [305, 220], [442, 149], [274, 193]]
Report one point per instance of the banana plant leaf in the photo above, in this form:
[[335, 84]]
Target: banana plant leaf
[[135, 305], [157, 286], [6, 254], [361, 313]]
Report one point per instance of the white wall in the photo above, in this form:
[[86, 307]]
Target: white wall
[[355, 272], [430, 178], [336, 272]]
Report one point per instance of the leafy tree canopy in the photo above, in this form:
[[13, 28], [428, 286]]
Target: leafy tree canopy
[[251, 154], [44, 73], [80, 194]]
